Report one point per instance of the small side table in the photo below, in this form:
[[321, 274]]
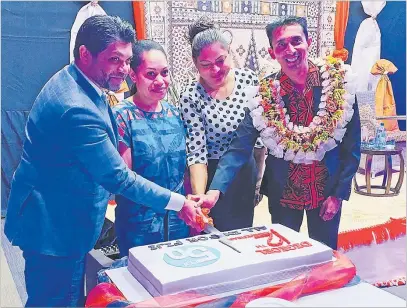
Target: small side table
[[387, 176]]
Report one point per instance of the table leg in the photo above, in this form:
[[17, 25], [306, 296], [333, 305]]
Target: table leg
[[355, 183], [401, 174], [368, 170], [385, 172], [388, 173]]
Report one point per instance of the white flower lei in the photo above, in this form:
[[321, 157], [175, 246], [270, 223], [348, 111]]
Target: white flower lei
[[299, 144]]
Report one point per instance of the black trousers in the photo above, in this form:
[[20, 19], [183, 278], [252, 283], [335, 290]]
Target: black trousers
[[322, 231], [235, 209]]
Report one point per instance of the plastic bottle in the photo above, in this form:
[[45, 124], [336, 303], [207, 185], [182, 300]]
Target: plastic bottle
[[384, 137], [380, 139]]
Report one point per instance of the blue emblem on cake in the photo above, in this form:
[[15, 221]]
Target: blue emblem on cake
[[191, 256]]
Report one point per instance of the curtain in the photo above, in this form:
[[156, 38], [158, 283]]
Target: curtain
[[366, 50], [139, 19], [341, 20]]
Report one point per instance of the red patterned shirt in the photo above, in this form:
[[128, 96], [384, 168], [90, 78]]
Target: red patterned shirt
[[305, 184]]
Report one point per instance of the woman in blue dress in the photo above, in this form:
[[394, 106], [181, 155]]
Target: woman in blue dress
[[152, 143]]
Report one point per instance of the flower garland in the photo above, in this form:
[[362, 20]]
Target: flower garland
[[301, 144]]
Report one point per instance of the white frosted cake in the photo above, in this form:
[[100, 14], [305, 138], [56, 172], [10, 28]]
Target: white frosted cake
[[202, 263]]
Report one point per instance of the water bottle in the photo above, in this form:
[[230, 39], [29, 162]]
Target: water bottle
[[380, 139], [376, 137], [384, 137]]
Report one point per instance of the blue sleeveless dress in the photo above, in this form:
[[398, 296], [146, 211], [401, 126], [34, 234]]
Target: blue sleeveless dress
[[157, 142]]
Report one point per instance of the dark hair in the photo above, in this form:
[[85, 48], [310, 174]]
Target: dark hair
[[139, 48], [98, 32], [202, 33], [285, 21], [142, 46]]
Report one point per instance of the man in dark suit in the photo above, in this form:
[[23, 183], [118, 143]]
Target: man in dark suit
[[70, 167], [292, 186]]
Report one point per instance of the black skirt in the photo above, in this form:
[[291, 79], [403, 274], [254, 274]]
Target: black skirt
[[235, 209]]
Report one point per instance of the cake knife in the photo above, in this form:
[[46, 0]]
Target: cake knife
[[222, 238]]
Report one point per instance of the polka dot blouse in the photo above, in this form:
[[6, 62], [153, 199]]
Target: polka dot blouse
[[210, 122]]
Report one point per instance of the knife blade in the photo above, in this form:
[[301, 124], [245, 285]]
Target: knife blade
[[222, 238]]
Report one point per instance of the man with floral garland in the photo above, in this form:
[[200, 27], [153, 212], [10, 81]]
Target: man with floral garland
[[311, 127]]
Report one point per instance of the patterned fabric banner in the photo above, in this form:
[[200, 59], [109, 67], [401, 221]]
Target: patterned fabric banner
[[167, 23]]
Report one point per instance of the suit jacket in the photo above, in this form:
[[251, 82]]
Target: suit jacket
[[69, 168], [342, 162]]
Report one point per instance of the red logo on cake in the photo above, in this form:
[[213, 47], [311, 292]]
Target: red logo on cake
[[275, 239], [276, 243], [280, 244]]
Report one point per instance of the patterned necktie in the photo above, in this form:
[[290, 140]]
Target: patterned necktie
[[106, 98], [111, 98]]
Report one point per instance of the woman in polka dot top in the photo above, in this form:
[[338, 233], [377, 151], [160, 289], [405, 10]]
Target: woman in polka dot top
[[212, 109]]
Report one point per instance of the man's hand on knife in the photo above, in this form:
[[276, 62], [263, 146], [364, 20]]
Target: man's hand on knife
[[208, 200], [192, 214]]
